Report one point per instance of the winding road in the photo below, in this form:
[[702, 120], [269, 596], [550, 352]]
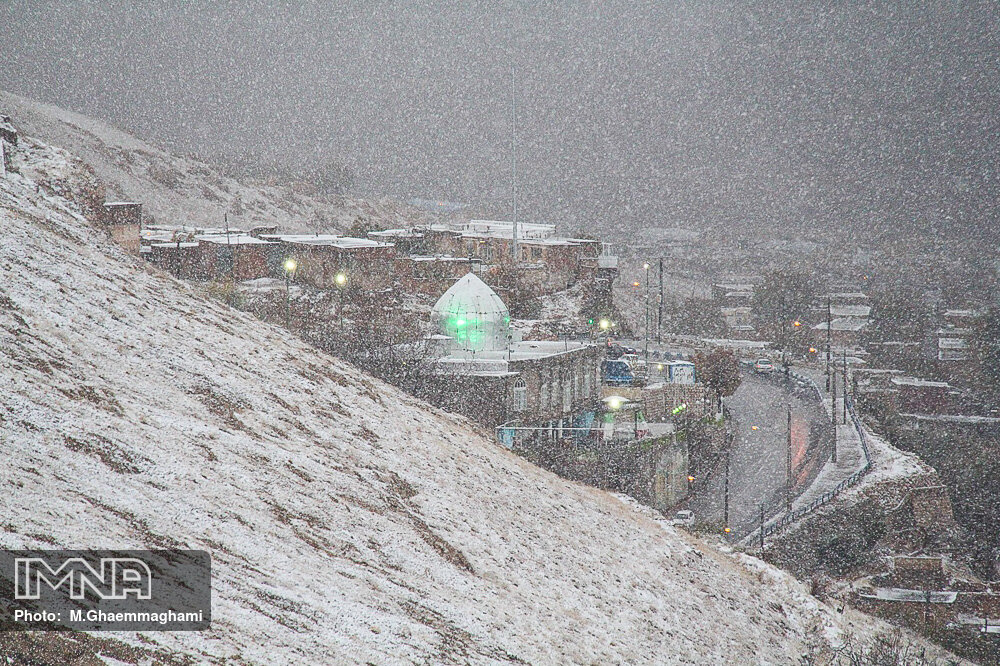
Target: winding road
[[758, 459]]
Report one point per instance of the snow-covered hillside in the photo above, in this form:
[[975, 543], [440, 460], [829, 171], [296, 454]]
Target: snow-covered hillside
[[182, 190], [348, 522]]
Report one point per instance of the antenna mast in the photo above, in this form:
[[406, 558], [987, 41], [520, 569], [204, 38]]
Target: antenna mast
[[513, 124]]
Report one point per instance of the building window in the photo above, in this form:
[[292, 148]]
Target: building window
[[543, 396], [567, 396], [520, 396], [576, 384], [536, 253], [586, 384]]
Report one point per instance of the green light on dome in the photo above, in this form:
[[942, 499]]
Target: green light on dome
[[459, 323]]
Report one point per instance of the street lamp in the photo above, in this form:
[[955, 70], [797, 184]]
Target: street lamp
[[340, 279], [290, 267]]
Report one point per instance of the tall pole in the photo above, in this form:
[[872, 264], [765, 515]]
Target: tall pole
[[845, 386], [788, 463], [833, 412], [645, 350], [762, 527], [725, 514], [659, 307], [288, 306], [829, 339], [513, 159]]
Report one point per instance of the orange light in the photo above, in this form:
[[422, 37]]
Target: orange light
[[812, 350], [635, 284], [753, 427], [796, 323], [690, 479], [728, 530]]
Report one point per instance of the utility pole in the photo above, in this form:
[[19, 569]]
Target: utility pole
[[833, 414], [645, 351], [829, 339], [788, 463], [513, 153], [725, 514], [761, 527], [845, 386], [659, 307]]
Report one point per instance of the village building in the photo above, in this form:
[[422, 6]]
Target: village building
[[432, 274], [233, 256], [123, 220], [505, 380], [845, 332], [8, 132], [320, 258]]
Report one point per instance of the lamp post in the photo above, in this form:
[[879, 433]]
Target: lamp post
[[341, 281], [290, 266], [645, 352]]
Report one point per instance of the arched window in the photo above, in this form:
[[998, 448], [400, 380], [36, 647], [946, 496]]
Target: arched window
[[520, 395]]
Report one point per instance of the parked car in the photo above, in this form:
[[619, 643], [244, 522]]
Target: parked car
[[763, 366], [684, 517]]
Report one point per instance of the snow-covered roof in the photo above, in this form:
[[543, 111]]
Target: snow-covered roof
[[307, 239], [922, 596], [497, 361], [230, 239], [174, 245], [914, 381], [850, 310], [437, 257], [396, 233], [472, 313], [850, 324]]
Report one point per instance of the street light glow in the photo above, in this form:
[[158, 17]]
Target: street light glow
[[290, 265], [604, 324], [340, 279], [796, 323], [614, 403], [646, 266]]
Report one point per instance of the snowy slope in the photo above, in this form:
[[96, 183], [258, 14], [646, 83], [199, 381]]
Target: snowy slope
[[348, 522], [182, 190]]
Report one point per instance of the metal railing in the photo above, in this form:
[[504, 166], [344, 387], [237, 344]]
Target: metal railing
[[793, 515]]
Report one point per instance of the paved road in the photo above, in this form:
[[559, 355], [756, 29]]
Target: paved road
[[757, 464]]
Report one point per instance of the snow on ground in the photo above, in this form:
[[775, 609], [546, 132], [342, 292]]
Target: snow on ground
[[348, 522], [183, 190]]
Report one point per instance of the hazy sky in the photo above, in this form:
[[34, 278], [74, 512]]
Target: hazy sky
[[663, 113]]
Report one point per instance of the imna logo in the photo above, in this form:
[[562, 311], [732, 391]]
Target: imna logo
[[115, 578]]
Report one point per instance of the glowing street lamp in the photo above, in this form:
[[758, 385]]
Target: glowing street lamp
[[290, 267], [604, 324], [340, 279]]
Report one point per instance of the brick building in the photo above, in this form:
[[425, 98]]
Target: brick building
[[123, 220]]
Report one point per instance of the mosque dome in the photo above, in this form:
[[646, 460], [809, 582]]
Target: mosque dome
[[472, 315]]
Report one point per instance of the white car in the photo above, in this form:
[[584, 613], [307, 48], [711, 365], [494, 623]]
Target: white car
[[763, 366], [684, 517]]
